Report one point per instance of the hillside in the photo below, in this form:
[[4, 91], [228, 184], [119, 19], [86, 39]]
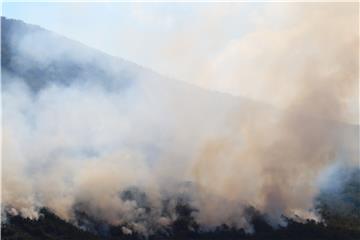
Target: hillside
[[123, 152], [341, 221]]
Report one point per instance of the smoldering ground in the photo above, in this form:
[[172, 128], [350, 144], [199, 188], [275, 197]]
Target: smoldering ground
[[79, 146]]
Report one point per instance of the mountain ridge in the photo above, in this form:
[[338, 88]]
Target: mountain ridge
[[28, 28]]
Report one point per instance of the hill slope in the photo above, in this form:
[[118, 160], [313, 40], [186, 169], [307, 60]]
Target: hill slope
[[80, 106]]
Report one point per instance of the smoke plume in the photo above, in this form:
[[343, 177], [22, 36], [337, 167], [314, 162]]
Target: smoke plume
[[125, 153]]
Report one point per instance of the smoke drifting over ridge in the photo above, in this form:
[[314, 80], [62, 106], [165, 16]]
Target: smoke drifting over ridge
[[313, 74], [79, 145]]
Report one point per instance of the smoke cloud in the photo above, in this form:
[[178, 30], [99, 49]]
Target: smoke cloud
[[124, 154]]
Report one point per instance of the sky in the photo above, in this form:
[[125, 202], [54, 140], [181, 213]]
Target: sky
[[144, 32], [226, 47]]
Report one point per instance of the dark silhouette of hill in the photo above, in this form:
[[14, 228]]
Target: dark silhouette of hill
[[50, 226], [340, 213], [62, 61], [39, 58], [339, 206]]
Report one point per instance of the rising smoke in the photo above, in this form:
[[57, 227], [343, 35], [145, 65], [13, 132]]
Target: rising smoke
[[125, 153]]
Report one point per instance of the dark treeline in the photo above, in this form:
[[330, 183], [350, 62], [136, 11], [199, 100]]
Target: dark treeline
[[339, 209]]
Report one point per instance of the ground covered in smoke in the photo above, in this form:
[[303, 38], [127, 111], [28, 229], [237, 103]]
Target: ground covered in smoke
[[97, 147], [341, 221], [52, 227]]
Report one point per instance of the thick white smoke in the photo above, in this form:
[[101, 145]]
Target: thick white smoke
[[80, 146]]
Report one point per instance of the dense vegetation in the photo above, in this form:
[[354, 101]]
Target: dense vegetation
[[52, 227], [339, 208], [339, 204]]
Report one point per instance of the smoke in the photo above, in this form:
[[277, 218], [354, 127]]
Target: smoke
[[127, 153], [279, 42], [312, 68]]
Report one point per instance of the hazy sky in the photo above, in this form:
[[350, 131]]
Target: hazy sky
[[227, 47], [169, 38]]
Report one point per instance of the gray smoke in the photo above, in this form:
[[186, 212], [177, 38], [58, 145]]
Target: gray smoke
[[79, 142]]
